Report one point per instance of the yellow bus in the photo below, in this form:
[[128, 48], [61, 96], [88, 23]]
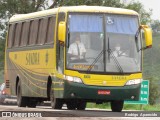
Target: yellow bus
[[44, 61]]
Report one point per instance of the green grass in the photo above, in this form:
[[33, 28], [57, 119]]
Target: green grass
[[127, 107]]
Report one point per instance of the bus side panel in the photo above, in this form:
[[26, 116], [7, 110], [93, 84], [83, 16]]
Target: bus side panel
[[33, 67]]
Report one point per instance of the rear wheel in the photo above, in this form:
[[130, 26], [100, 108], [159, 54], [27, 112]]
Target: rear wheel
[[31, 103], [117, 106], [21, 101]]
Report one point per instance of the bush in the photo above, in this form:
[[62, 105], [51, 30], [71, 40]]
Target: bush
[[153, 91]]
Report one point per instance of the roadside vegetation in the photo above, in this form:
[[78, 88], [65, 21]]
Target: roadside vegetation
[[133, 107]]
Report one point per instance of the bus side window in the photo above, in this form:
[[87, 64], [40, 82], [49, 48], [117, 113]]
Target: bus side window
[[17, 34], [11, 35], [42, 34], [51, 30], [33, 32], [25, 33]]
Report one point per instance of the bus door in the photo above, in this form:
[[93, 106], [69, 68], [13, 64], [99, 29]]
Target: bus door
[[60, 48]]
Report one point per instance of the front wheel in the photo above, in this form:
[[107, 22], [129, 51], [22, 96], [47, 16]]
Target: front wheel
[[55, 102], [117, 106], [71, 105], [81, 105]]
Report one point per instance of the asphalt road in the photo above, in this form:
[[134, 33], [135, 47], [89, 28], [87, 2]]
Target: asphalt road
[[46, 112]]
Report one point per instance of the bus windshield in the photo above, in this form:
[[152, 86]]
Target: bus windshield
[[103, 43]]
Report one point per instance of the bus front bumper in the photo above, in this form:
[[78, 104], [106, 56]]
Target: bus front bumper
[[81, 91]]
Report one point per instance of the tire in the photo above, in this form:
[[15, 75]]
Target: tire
[[31, 103], [81, 105], [55, 102], [21, 101], [117, 106], [71, 105]]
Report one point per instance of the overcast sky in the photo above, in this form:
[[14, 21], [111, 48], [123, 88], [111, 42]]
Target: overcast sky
[[154, 5]]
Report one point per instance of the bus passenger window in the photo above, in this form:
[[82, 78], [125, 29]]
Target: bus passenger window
[[42, 31], [33, 32], [51, 30], [17, 34], [11, 35], [25, 33]]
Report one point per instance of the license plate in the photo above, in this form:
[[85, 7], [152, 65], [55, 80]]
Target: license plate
[[104, 92]]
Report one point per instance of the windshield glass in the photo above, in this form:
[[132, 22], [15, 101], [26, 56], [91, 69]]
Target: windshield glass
[[120, 32], [92, 44], [85, 42]]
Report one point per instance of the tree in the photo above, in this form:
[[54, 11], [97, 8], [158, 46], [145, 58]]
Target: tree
[[9, 8], [110, 3], [145, 17], [155, 25]]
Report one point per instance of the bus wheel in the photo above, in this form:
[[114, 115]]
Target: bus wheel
[[31, 103], [117, 106], [71, 105], [21, 101], [81, 105], [55, 102]]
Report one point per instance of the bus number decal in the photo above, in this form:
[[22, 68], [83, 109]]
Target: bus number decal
[[32, 59]]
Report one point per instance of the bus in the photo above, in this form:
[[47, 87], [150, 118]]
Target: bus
[[38, 66]]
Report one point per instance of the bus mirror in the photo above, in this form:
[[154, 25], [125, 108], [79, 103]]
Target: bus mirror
[[62, 31], [147, 35]]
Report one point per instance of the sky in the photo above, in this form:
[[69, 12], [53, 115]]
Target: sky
[[154, 5]]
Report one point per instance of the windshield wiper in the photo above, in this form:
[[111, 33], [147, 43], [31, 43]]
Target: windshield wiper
[[95, 61], [110, 52], [116, 61]]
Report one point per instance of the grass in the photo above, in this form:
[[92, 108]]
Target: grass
[[155, 108]]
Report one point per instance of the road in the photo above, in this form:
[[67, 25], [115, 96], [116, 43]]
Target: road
[[45, 112]]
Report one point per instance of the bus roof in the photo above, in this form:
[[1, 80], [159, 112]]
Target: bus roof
[[84, 8]]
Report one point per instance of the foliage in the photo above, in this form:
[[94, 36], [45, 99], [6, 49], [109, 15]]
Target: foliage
[[126, 106], [155, 25], [151, 69], [154, 93], [111, 3], [139, 8], [9, 8]]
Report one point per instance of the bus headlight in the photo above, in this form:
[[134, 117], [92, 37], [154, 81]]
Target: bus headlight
[[134, 82], [74, 79]]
